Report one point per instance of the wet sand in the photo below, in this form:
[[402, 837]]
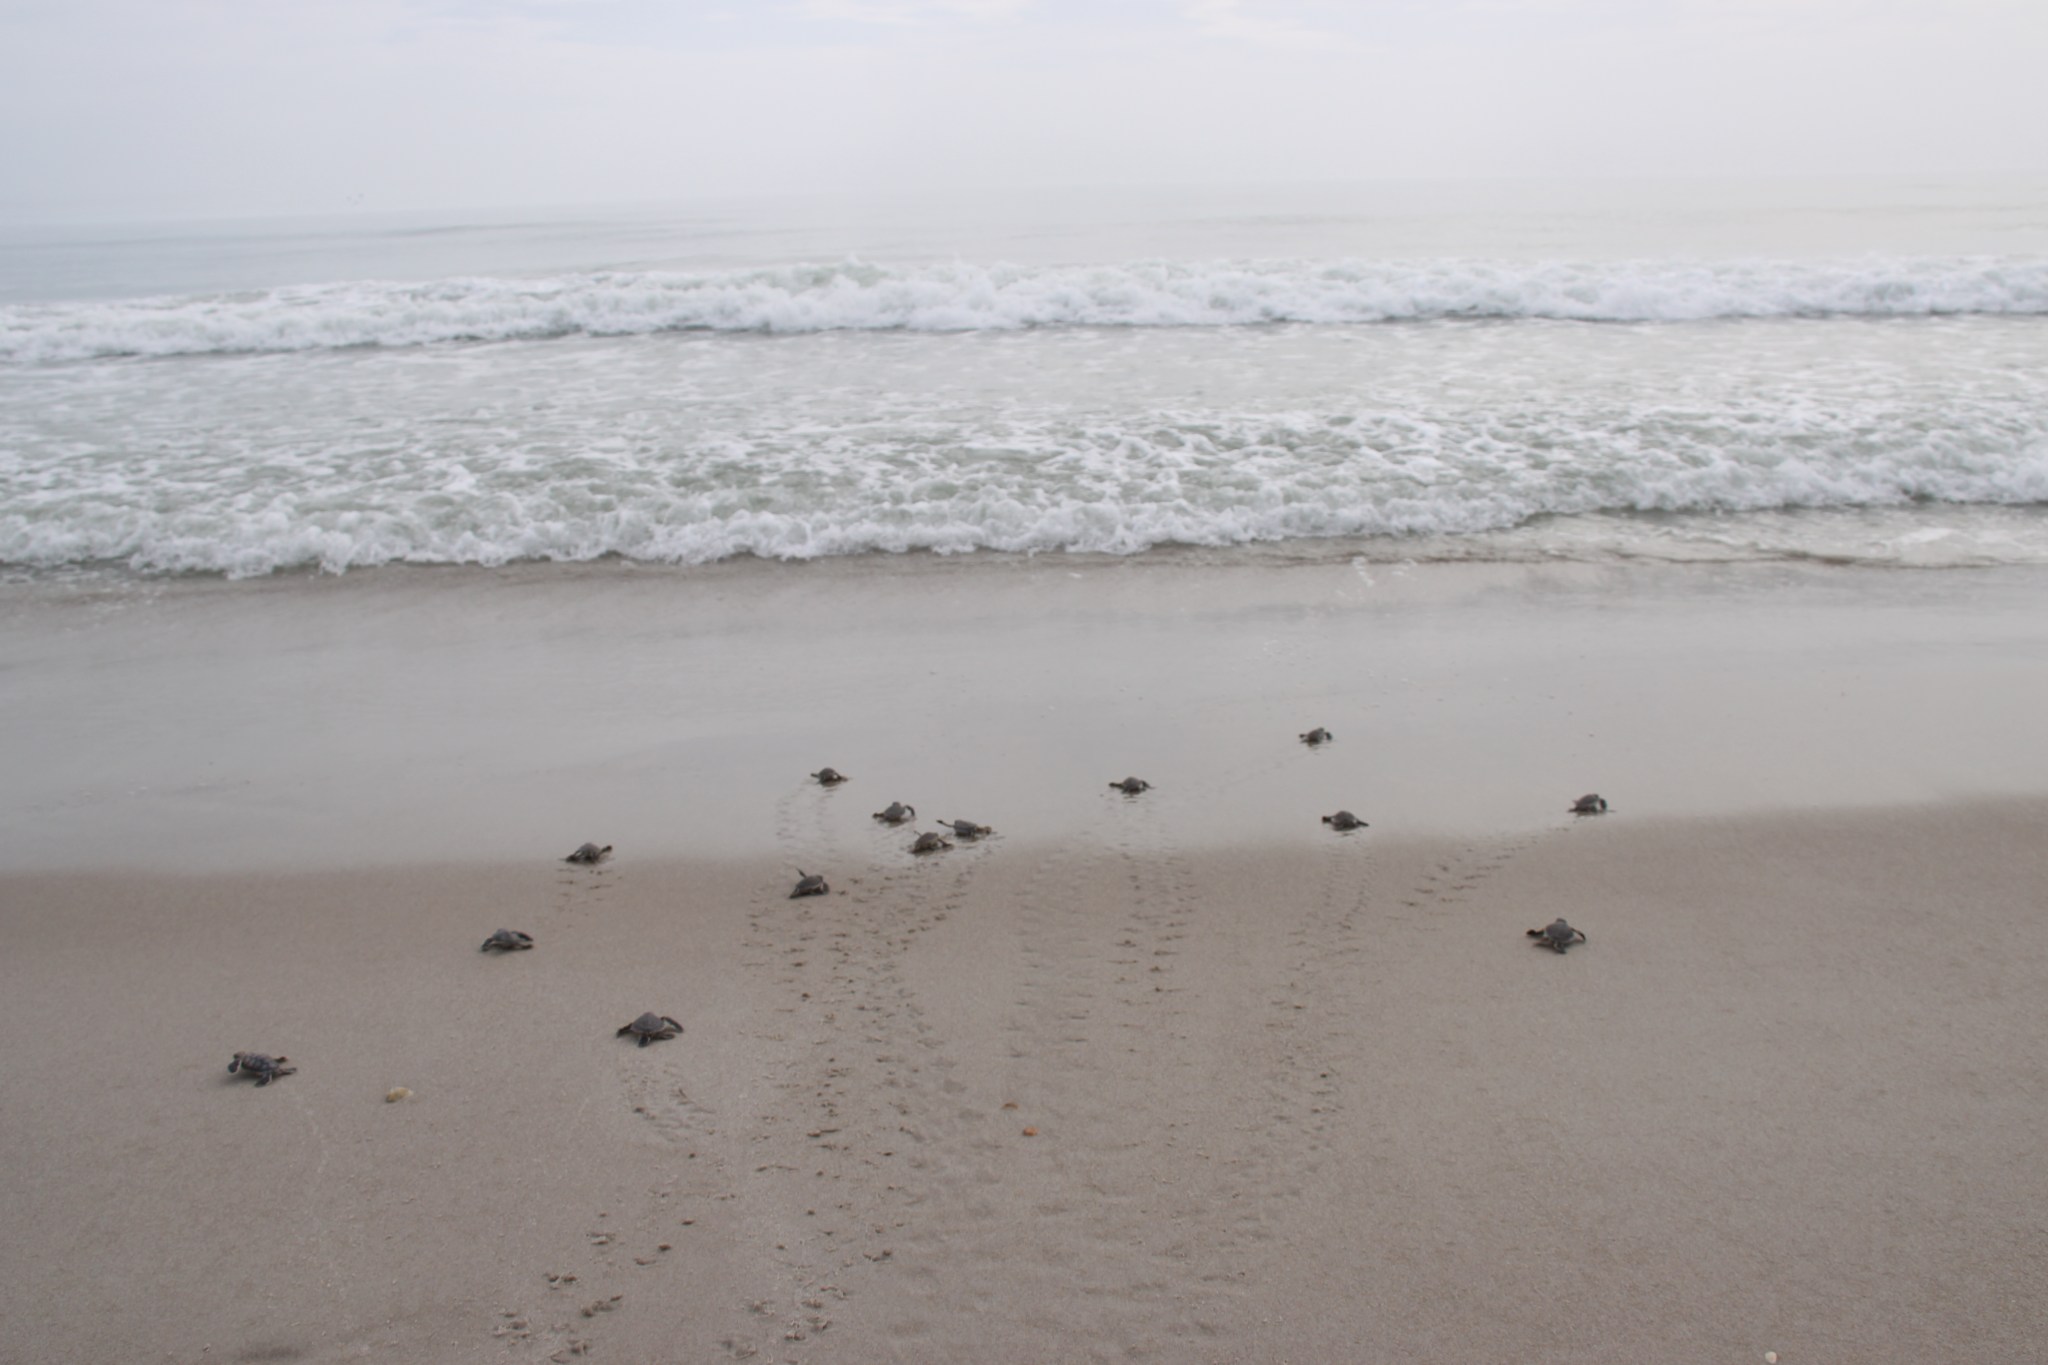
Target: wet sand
[[1279, 1094], [486, 715]]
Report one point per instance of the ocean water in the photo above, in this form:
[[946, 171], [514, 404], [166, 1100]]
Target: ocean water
[[1852, 371]]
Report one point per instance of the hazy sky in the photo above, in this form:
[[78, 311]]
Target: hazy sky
[[226, 107]]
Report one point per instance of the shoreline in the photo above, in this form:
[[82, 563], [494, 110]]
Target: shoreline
[[1937, 536], [416, 717]]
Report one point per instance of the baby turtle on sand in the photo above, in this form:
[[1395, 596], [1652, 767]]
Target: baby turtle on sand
[[1557, 934], [1317, 736], [830, 777], [260, 1067], [930, 842], [1590, 804], [967, 829], [809, 884], [652, 1028], [1343, 819], [1131, 786], [506, 941], [589, 855], [896, 814]]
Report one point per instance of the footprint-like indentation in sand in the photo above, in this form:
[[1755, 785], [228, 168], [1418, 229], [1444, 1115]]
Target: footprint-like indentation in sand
[[839, 1144], [667, 1110], [582, 889], [1371, 913], [1042, 1197]]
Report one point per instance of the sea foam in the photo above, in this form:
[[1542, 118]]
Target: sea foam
[[1022, 486], [960, 297]]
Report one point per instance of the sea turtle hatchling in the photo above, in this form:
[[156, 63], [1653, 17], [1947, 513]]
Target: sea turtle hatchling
[[1316, 736], [829, 777], [260, 1067], [1558, 935], [967, 829], [1131, 786], [651, 1028], [1592, 803], [930, 841], [506, 941], [896, 813], [1343, 819], [589, 855], [809, 884]]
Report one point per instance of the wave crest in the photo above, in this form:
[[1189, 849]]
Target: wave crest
[[959, 297]]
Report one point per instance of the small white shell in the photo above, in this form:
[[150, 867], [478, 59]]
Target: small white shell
[[1770, 1358], [397, 1093]]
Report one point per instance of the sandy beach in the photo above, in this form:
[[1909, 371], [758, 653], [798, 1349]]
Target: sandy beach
[[1180, 1077]]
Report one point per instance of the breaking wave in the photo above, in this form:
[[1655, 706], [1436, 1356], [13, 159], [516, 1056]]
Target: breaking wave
[[958, 297], [1033, 486]]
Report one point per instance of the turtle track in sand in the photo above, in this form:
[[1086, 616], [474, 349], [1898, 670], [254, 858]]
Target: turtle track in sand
[[1372, 910], [1368, 962], [1120, 1023], [1018, 1238], [1025, 1158], [831, 1162], [582, 887], [1082, 1127], [633, 1257]]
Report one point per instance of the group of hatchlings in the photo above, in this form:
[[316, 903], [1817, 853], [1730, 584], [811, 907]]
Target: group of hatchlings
[[655, 1028]]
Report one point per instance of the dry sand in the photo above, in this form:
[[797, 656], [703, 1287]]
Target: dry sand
[[1279, 1094]]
